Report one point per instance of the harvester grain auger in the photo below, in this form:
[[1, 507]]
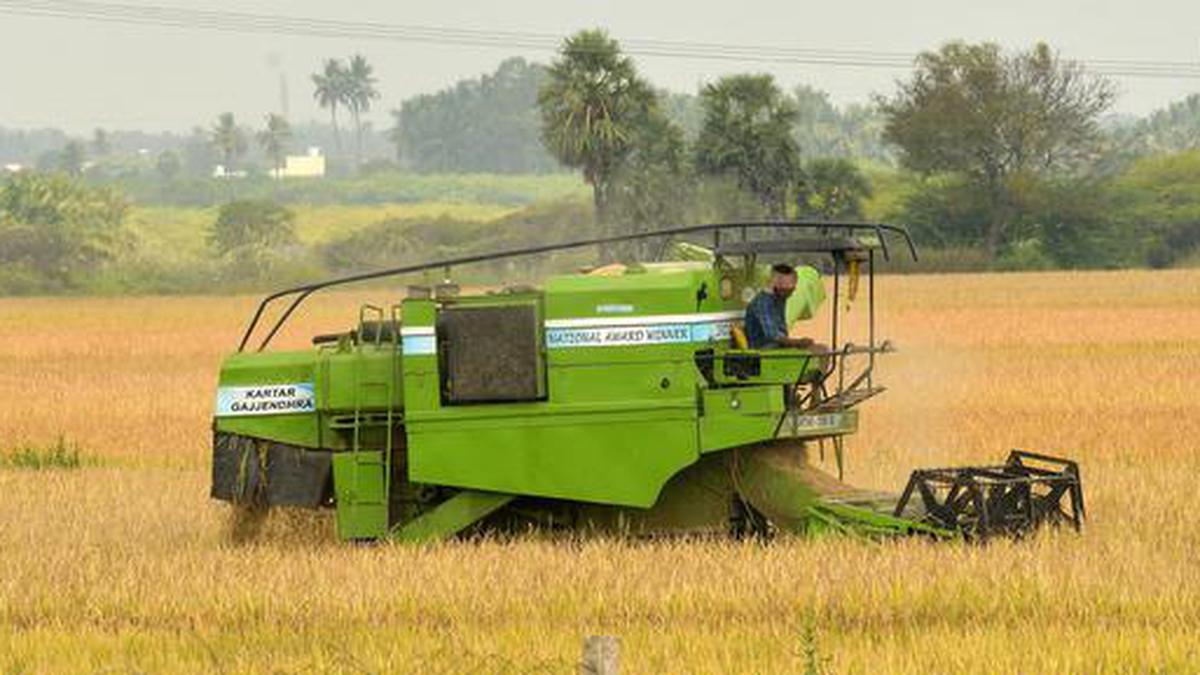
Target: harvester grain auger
[[620, 400]]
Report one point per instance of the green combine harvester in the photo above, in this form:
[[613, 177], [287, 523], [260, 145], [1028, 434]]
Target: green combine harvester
[[620, 400]]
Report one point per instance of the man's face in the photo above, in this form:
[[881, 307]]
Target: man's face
[[782, 285]]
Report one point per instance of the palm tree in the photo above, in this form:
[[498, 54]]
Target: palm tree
[[331, 86], [747, 133], [274, 140], [360, 91], [229, 139], [72, 158], [591, 104], [101, 145]]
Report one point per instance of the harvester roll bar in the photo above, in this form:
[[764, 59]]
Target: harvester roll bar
[[302, 292]]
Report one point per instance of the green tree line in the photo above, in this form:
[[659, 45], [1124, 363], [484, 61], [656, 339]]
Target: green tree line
[[999, 152], [1010, 157]]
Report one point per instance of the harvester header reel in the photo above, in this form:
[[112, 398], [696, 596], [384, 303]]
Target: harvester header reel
[[1027, 491]]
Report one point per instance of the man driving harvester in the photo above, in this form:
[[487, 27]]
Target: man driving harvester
[[766, 315], [766, 324]]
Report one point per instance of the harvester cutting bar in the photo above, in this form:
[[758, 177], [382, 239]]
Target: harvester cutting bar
[[1027, 491]]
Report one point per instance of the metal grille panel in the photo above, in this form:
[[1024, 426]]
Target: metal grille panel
[[489, 353]]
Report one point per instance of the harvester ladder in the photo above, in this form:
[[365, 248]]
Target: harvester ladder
[[368, 507]]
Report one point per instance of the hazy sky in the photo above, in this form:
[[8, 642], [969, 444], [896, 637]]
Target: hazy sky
[[79, 75]]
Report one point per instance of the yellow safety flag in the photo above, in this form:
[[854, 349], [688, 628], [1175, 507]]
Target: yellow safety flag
[[852, 285]]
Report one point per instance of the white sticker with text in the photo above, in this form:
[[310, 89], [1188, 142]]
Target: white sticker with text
[[266, 399]]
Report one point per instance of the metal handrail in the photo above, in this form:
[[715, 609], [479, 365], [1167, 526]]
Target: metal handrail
[[302, 292], [790, 353]]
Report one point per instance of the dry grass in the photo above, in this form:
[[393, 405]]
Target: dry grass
[[125, 567]]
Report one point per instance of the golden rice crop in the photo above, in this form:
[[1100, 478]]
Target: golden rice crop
[[125, 566]]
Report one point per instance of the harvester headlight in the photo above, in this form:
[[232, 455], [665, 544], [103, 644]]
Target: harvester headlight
[[726, 288]]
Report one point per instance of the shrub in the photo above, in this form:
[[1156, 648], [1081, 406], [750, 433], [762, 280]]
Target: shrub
[[252, 224], [55, 231], [256, 240], [60, 455], [400, 241]]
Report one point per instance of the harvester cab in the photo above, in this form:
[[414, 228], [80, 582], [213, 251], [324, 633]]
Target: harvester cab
[[617, 399]]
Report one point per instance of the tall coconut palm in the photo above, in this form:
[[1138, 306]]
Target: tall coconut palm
[[274, 139], [330, 89], [229, 139], [360, 91], [747, 133], [591, 104]]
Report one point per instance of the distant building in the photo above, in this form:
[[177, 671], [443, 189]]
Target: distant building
[[219, 171], [311, 165], [13, 168]]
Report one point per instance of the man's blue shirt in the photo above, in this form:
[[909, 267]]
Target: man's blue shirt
[[766, 321]]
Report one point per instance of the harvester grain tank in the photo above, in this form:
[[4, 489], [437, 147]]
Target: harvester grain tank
[[621, 400]]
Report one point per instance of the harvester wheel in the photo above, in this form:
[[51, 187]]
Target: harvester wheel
[[746, 522]]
